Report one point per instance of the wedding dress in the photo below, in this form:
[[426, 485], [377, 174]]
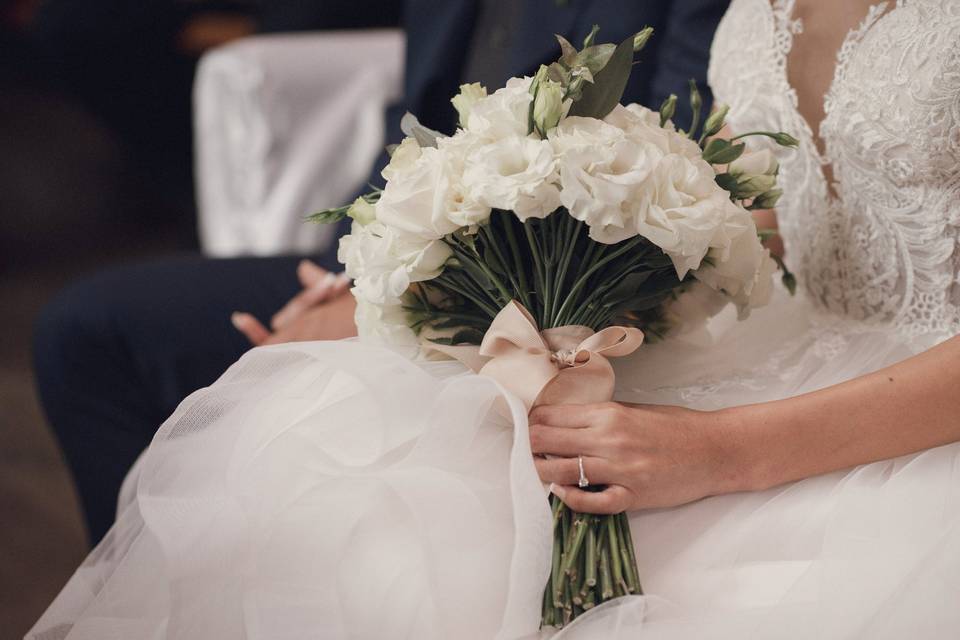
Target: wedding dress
[[341, 489]]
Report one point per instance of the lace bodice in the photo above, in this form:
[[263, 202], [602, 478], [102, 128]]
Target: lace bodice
[[880, 246]]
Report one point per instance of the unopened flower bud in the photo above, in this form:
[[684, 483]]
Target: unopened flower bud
[[667, 109], [768, 199], [548, 106], [785, 139], [716, 121], [754, 186], [362, 211], [591, 37], [469, 95], [640, 40], [755, 163]]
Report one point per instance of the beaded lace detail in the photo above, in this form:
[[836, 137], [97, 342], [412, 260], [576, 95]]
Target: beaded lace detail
[[879, 245]]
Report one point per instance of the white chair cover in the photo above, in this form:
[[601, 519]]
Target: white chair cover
[[286, 125]]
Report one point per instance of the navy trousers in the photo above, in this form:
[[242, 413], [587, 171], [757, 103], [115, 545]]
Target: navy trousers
[[116, 352]]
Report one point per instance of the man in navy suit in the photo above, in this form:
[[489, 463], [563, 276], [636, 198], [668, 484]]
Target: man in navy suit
[[116, 352]]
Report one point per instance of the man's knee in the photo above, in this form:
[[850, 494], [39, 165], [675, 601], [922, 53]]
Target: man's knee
[[75, 333]]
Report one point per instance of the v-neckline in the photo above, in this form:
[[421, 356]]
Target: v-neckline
[[781, 13]]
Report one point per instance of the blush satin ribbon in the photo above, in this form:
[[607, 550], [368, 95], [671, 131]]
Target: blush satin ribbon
[[565, 365]]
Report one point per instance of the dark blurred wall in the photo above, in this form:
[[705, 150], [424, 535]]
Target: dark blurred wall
[[95, 113]]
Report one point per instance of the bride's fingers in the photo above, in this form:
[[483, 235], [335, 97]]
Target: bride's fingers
[[566, 471], [562, 415], [563, 442], [613, 499]]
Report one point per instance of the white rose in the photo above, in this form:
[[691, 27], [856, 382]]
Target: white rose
[[504, 113], [684, 211], [384, 262], [601, 175], [516, 174], [470, 94]]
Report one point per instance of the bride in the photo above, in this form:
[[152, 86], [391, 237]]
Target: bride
[[796, 475]]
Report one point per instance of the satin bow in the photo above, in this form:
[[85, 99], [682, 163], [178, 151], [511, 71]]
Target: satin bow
[[565, 365]]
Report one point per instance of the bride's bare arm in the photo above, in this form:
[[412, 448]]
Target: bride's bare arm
[[658, 456], [910, 406]]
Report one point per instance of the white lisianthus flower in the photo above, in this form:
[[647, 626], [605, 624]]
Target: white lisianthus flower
[[692, 307], [643, 125], [743, 270], [754, 163], [504, 113], [684, 211], [383, 324], [383, 261], [514, 173], [425, 195], [403, 157], [602, 175], [463, 102]]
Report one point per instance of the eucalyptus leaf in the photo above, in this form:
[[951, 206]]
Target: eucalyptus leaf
[[600, 98]]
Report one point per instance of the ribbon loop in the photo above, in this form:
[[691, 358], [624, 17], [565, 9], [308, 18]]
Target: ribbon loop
[[565, 365]]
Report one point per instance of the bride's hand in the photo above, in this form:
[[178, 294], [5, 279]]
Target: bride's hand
[[647, 455]]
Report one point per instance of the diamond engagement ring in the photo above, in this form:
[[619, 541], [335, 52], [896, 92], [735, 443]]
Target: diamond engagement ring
[[583, 483]]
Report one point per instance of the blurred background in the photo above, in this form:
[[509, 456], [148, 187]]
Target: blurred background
[[96, 168]]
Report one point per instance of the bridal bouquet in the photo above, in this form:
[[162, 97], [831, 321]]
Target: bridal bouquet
[[555, 229]]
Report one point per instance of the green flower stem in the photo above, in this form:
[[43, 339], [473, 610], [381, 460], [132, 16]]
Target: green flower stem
[[628, 542], [493, 244], [616, 567], [538, 268], [590, 600], [482, 264], [606, 579], [556, 587], [569, 248], [590, 574], [579, 532], [627, 246], [459, 289], [518, 262]]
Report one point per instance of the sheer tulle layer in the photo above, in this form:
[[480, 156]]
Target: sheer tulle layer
[[332, 490]]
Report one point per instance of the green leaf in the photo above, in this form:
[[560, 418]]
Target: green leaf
[[599, 99], [595, 57], [727, 182], [568, 52], [720, 151]]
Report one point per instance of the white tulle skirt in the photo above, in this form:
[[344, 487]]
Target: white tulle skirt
[[341, 490]]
